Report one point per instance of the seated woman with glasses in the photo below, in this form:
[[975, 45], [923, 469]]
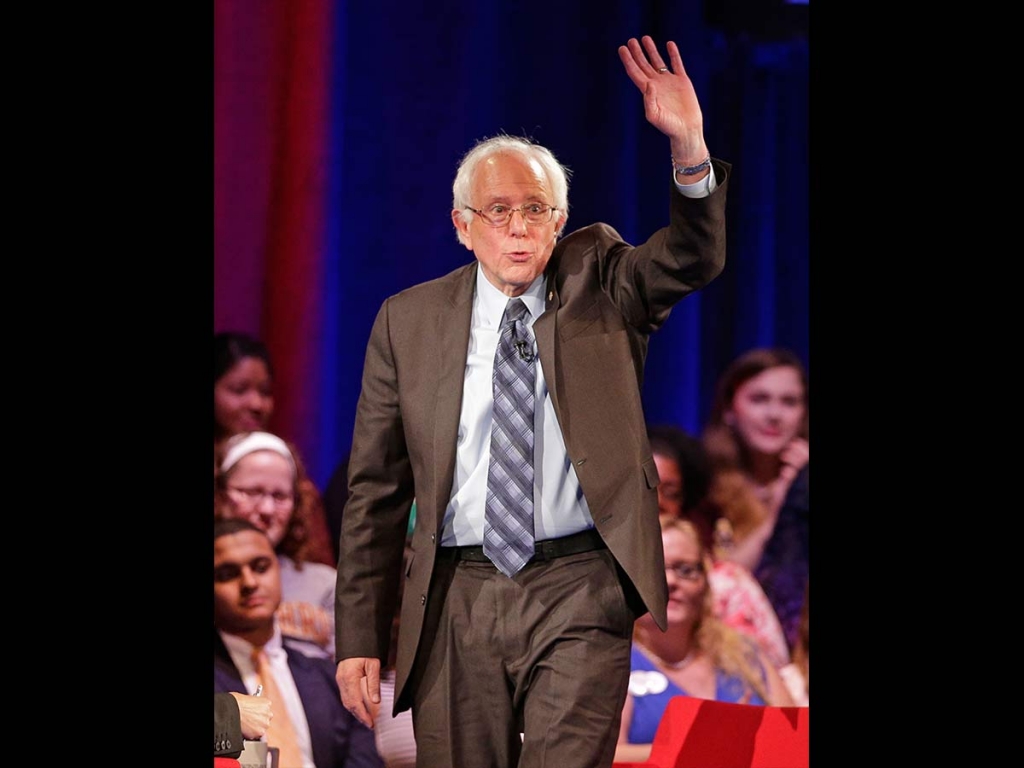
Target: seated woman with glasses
[[697, 656], [260, 478]]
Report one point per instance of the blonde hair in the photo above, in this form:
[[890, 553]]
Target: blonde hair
[[728, 649], [740, 510], [557, 174]]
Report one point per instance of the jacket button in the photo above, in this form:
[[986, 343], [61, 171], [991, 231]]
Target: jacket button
[[423, 599]]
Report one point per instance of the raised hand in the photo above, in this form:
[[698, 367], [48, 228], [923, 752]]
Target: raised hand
[[794, 457], [670, 103]]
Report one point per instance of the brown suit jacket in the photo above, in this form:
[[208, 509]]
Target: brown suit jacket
[[604, 298]]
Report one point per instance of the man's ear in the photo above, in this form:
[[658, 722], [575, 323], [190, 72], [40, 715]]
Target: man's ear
[[563, 217], [462, 229]]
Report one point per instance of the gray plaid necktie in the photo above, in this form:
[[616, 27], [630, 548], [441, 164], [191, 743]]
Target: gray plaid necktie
[[508, 518]]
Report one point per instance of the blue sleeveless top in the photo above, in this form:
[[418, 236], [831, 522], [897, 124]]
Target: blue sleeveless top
[[651, 691]]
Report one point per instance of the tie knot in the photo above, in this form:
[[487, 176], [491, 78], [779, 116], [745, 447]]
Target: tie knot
[[515, 310]]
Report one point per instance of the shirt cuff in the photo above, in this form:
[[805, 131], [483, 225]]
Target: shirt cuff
[[701, 188]]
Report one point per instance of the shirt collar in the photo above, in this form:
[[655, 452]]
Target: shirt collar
[[241, 647], [492, 302]]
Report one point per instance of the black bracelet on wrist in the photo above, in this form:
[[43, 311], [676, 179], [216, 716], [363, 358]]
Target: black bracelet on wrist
[[692, 170]]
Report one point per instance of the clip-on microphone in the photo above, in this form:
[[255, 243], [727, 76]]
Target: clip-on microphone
[[524, 351]]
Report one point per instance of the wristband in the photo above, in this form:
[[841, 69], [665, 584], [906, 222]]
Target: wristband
[[692, 170]]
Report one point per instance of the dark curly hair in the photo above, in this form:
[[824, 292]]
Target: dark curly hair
[[688, 453]]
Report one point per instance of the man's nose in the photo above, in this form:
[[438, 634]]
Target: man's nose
[[517, 226]]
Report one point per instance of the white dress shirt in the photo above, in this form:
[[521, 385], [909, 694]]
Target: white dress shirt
[[559, 506]]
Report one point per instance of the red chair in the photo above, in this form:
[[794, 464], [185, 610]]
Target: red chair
[[226, 762], [697, 733]]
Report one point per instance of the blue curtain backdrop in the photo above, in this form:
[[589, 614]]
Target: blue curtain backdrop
[[339, 126]]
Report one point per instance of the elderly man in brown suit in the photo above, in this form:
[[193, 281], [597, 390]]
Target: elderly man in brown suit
[[505, 398]]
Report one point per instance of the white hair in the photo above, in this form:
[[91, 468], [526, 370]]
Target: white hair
[[558, 174]]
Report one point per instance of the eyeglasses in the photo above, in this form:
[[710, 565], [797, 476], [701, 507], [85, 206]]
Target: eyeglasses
[[686, 571], [499, 214], [255, 495]]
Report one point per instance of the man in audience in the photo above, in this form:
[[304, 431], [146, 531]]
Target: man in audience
[[309, 722]]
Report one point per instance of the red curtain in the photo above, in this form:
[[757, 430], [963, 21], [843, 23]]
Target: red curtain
[[271, 121]]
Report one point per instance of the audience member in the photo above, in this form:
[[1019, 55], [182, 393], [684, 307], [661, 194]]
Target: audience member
[[684, 473], [698, 655], [238, 716], [797, 674], [310, 727], [260, 479], [243, 385], [757, 439], [243, 401], [739, 600]]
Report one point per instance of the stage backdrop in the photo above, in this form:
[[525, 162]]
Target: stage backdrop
[[338, 127]]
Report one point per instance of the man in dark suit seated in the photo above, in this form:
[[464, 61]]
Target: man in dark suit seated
[[246, 594]]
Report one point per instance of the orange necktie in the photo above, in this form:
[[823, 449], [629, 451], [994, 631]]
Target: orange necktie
[[281, 733]]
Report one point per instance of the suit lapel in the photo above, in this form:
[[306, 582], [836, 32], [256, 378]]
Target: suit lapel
[[544, 332], [452, 331], [225, 673]]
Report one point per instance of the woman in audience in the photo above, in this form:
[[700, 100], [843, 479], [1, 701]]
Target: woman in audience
[[697, 656], [757, 440], [260, 477], [243, 401], [739, 600], [243, 385]]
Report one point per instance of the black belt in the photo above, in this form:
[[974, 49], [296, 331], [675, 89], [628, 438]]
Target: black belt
[[584, 541]]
